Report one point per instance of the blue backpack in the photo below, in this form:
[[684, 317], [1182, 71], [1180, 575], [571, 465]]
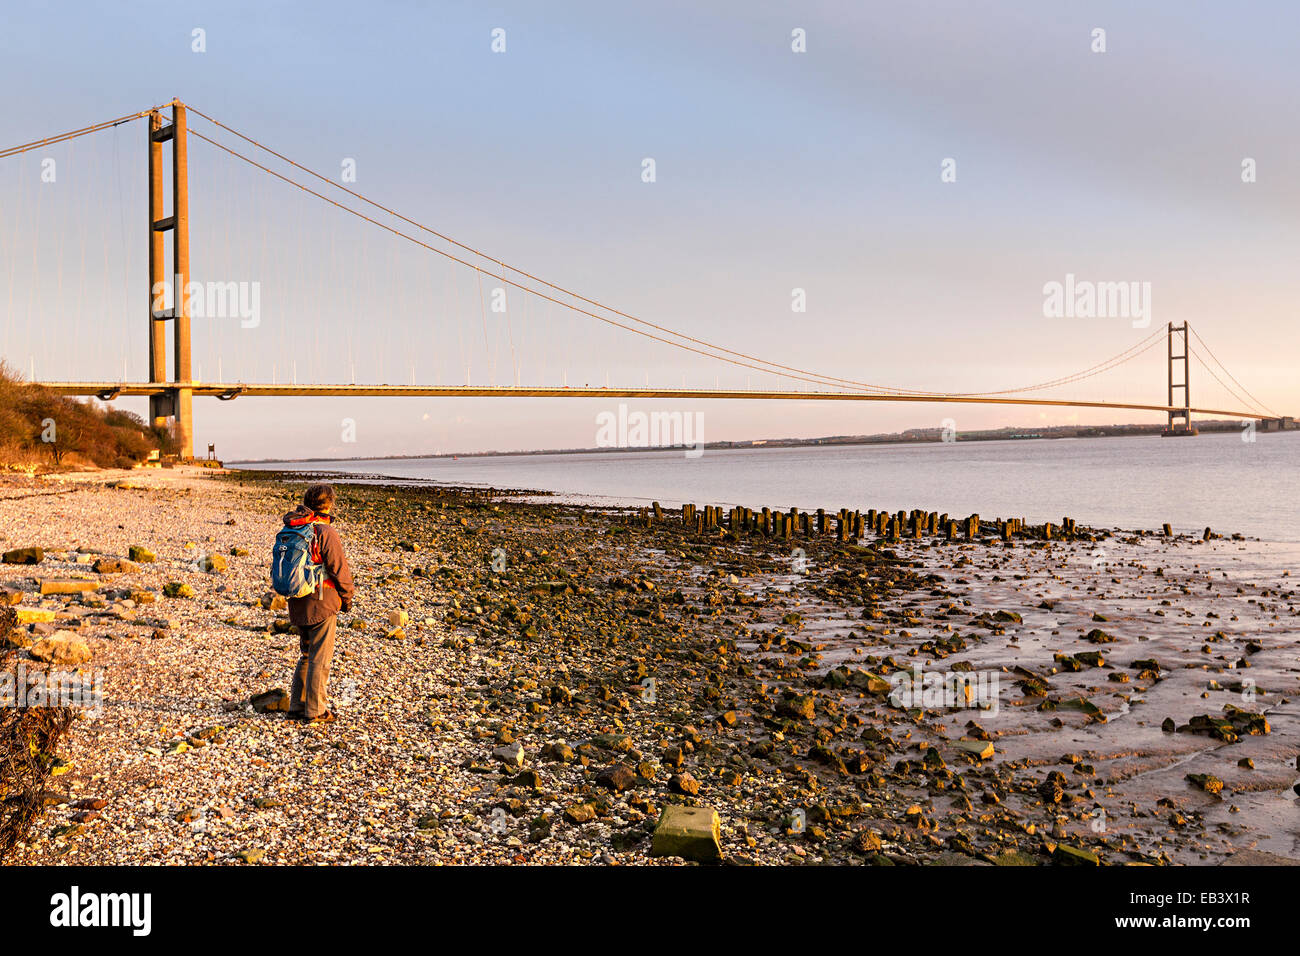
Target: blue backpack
[[294, 573]]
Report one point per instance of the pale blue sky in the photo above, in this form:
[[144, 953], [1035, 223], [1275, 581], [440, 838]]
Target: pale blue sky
[[775, 170]]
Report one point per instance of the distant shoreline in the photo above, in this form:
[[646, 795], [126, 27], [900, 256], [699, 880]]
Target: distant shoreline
[[918, 436]]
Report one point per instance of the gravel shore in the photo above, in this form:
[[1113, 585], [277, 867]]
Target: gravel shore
[[524, 682]]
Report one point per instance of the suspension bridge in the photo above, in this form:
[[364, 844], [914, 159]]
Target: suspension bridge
[[172, 386]]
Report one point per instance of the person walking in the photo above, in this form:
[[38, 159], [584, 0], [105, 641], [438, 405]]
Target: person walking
[[322, 565]]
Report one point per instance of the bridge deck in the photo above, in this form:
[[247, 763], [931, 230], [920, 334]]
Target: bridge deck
[[110, 390]]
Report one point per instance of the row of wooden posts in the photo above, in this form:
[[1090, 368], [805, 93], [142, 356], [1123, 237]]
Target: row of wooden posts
[[850, 525]]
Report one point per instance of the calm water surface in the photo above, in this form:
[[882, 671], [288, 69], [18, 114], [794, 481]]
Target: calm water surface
[[1216, 480]]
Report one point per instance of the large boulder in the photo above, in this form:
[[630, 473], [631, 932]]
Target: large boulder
[[693, 833], [23, 556], [68, 586], [64, 648]]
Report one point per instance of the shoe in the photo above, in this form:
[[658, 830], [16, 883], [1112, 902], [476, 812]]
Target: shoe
[[326, 718], [294, 713]]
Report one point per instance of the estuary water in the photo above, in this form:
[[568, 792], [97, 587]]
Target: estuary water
[[1212, 480]]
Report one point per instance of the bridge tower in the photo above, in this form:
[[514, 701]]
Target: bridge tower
[[174, 408], [1180, 420]]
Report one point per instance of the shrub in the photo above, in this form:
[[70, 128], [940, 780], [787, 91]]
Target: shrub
[[40, 426], [28, 736]]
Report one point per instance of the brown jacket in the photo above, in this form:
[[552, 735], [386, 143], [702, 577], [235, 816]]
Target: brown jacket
[[335, 593]]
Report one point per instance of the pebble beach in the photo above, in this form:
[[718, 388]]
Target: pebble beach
[[528, 682]]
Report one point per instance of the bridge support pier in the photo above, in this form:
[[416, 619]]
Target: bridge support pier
[[173, 409]]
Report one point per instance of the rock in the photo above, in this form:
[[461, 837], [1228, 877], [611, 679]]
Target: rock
[[251, 856], [527, 778], [618, 779], [63, 648], [68, 587], [140, 554], [177, 589], [113, 566], [33, 615], [274, 602], [580, 813], [871, 683], [1073, 856], [1207, 782], [800, 707], [23, 556], [1098, 636], [214, 563], [692, 833], [558, 752], [399, 618], [620, 743], [10, 596], [270, 700], [684, 783], [979, 749], [1008, 617], [866, 841], [512, 755], [1084, 705]]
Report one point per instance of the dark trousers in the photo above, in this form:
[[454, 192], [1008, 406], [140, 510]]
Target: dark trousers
[[307, 693]]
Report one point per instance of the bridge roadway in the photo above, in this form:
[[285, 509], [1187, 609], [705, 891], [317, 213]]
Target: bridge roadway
[[227, 392]]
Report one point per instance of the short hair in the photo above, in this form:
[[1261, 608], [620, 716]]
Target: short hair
[[318, 496]]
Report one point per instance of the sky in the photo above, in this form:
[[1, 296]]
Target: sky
[[922, 172]]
